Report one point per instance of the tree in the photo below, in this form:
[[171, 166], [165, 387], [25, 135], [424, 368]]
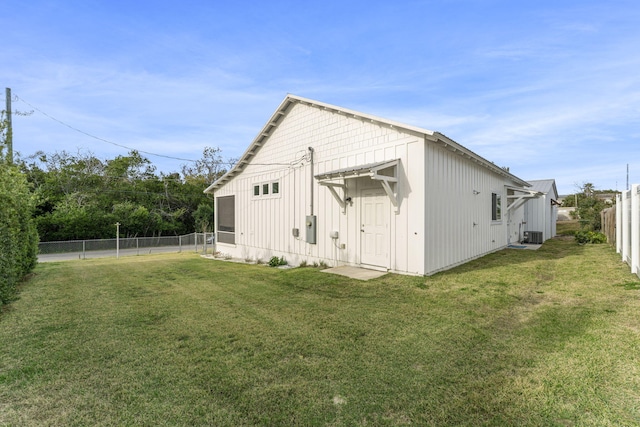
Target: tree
[[587, 188], [135, 219], [204, 217], [80, 196], [207, 169], [589, 207], [129, 168]]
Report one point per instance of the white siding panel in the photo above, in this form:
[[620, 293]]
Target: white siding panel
[[413, 203], [458, 222]]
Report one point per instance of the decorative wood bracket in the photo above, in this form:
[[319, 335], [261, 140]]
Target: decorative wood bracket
[[332, 188]]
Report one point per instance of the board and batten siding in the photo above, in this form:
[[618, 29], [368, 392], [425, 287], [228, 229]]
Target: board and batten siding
[[264, 224], [458, 224]]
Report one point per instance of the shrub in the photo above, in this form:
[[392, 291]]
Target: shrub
[[275, 261], [585, 236], [18, 234]]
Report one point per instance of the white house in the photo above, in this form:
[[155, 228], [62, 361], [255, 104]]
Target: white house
[[321, 183], [541, 213]]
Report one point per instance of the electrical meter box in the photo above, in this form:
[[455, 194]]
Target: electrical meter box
[[310, 223]]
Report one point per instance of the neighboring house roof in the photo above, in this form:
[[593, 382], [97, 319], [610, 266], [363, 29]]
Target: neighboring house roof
[[290, 100], [545, 186]]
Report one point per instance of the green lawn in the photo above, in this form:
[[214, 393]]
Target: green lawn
[[546, 337], [567, 227]]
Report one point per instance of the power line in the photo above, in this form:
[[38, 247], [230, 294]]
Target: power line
[[221, 162], [101, 139]]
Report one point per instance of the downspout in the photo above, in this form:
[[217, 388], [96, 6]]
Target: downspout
[[311, 179]]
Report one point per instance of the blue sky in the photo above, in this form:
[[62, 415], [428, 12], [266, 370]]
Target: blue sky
[[550, 89]]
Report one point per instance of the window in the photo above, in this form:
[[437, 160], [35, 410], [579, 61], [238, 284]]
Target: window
[[263, 189], [227, 219], [496, 207]]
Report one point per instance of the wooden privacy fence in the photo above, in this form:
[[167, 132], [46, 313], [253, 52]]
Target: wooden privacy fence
[[608, 221], [628, 227]]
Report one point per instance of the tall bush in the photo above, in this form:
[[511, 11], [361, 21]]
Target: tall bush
[[18, 234]]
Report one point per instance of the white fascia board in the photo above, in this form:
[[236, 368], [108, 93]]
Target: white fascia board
[[255, 146]]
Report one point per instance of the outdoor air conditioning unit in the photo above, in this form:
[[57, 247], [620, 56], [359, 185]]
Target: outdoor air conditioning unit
[[534, 237]]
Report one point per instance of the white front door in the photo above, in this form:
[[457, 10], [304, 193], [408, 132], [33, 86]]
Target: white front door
[[374, 228]]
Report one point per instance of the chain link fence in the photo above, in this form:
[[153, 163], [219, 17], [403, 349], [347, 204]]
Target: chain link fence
[[101, 248]]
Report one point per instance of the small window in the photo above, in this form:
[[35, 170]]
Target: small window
[[496, 207], [275, 187], [256, 190], [265, 189]]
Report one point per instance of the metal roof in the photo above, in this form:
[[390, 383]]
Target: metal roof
[[545, 186], [356, 171]]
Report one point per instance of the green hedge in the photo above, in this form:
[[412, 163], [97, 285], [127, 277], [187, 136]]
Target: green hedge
[[18, 234]]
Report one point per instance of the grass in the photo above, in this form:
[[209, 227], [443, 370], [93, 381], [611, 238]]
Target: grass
[[567, 228], [547, 337]]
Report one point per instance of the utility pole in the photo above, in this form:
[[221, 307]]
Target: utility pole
[[627, 176], [9, 128]]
